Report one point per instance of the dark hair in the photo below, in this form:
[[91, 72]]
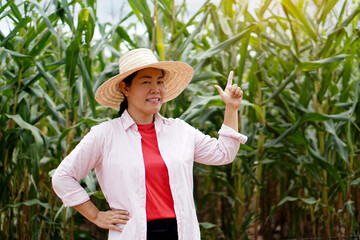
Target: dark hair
[[124, 104], [128, 81]]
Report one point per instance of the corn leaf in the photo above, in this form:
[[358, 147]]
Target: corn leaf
[[35, 131], [312, 65], [297, 14]]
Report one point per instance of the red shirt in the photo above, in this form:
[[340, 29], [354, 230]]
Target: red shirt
[[159, 201]]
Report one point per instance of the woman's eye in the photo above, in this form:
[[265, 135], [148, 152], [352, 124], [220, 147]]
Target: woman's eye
[[160, 82], [145, 82]]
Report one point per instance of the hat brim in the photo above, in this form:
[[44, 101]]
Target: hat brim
[[177, 77]]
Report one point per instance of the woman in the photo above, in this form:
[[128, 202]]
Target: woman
[[143, 161]]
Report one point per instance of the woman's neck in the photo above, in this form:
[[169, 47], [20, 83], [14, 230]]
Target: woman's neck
[[142, 118]]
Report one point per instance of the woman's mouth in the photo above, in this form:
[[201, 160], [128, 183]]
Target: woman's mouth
[[153, 100]]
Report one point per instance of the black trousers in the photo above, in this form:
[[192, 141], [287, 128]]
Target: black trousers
[[162, 229]]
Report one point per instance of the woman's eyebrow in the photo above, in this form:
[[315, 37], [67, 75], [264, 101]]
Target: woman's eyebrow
[[145, 76]]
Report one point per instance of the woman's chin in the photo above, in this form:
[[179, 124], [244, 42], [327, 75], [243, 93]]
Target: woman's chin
[[155, 107], [153, 110]]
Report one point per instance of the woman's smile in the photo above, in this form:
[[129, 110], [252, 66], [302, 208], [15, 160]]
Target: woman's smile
[[153, 100]]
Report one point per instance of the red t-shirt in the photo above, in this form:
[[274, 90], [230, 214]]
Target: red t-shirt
[[159, 201]]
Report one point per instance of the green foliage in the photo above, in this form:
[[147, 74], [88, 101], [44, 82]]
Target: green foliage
[[296, 61]]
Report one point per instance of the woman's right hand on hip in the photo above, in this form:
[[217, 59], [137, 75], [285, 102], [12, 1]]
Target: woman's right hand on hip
[[109, 219]]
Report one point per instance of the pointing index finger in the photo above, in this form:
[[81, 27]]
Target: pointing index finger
[[230, 78]]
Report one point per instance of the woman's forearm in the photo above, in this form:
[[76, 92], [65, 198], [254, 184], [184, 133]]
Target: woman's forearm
[[231, 117], [88, 210]]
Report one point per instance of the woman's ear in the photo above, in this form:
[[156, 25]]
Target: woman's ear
[[124, 88]]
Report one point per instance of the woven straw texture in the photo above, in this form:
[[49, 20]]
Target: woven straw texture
[[177, 76]]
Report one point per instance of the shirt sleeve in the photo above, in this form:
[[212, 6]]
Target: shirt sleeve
[[212, 151], [74, 167]]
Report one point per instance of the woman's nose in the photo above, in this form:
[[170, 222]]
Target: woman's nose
[[154, 88]]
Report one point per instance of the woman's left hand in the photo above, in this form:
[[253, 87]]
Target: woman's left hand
[[232, 95]]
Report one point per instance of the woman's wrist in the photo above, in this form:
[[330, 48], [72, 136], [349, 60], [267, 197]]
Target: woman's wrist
[[231, 107]]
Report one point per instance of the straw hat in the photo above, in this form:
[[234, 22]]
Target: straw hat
[[177, 76]]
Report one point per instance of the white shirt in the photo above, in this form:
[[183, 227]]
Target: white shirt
[[113, 149]]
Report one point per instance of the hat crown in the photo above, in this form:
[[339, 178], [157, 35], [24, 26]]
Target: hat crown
[[135, 59]]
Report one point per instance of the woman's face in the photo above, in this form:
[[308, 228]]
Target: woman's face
[[146, 93]]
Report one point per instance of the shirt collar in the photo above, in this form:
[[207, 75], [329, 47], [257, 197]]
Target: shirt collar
[[159, 120], [127, 120]]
